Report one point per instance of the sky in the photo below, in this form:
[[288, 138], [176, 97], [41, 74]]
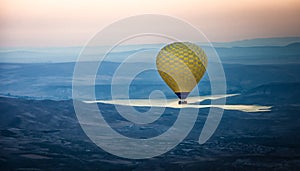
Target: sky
[[46, 23]]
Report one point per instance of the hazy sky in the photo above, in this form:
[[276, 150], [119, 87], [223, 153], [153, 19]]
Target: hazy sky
[[73, 22]]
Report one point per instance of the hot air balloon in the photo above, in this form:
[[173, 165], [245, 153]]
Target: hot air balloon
[[181, 65]]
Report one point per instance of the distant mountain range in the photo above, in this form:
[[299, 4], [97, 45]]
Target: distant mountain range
[[276, 41], [253, 48]]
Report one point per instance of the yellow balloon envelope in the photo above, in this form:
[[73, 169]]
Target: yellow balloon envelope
[[181, 65]]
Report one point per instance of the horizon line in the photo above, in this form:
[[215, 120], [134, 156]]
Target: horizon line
[[134, 44]]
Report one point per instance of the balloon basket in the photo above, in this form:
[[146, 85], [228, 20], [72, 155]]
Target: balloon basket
[[182, 102]]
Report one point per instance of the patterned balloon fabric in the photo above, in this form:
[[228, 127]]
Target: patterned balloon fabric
[[181, 65]]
